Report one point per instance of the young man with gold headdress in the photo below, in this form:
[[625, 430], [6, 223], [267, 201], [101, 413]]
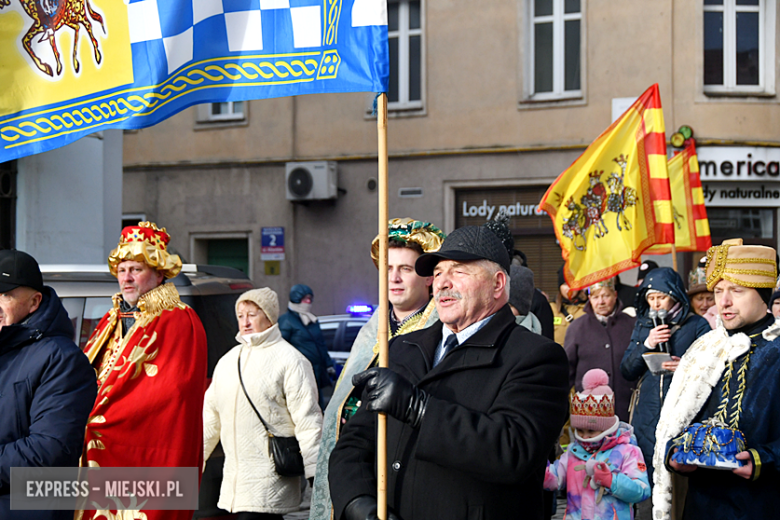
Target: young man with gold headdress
[[411, 308], [150, 355], [727, 388]]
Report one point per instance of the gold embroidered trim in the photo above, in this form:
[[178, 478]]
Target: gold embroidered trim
[[719, 255], [757, 272], [767, 261], [722, 414], [756, 464], [164, 297], [744, 283], [411, 325]]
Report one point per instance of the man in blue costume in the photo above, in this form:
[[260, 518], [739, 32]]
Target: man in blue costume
[[732, 375]]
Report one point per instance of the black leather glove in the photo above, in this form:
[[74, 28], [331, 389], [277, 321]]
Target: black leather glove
[[364, 508], [387, 392]]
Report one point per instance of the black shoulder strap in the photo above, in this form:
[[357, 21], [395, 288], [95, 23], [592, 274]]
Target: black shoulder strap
[[241, 379]]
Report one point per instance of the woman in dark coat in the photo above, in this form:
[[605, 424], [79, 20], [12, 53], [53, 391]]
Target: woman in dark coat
[[665, 288], [300, 329], [598, 339]]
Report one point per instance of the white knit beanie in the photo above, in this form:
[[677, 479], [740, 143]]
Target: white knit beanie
[[264, 298]]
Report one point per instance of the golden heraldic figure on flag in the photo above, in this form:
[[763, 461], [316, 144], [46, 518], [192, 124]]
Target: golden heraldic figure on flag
[[41, 38]]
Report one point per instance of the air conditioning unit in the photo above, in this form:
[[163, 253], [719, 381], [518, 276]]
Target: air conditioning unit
[[313, 180]]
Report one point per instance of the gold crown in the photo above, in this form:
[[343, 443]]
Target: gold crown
[[145, 243], [589, 404], [428, 236]]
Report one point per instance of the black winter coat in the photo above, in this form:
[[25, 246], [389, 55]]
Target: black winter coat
[[541, 309], [652, 388], [310, 342], [47, 389], [497, 404], [590, 344]]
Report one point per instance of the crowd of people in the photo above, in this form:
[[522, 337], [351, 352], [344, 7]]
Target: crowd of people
[[654, 401]]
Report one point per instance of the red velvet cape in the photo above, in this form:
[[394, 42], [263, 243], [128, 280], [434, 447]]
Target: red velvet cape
[[149, 408]]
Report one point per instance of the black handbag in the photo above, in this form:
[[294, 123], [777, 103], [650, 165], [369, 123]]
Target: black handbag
[[285, 450]]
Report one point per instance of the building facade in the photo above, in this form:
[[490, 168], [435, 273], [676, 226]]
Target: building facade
[[489, 103]]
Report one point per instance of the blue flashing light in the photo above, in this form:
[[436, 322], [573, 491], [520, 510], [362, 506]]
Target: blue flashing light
[[360, 309]]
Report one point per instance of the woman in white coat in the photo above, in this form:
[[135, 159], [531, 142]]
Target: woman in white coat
[[281, 384]]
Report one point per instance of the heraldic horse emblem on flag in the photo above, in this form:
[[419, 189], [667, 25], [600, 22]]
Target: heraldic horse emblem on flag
[[596, 202], [49, 16]]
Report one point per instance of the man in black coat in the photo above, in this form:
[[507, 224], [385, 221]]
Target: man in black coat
[[47, 384], [474, 404]]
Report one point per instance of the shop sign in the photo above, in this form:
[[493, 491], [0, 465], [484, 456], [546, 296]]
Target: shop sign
[[521, 204], [729, 194], [739, 163], [488, 211]]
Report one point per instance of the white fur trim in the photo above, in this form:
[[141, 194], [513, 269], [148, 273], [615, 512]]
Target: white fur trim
[[773, 331]]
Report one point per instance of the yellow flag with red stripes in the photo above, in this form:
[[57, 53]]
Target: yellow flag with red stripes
[[691, 227], [614, 201]]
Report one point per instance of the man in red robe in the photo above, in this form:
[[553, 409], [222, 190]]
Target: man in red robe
[[149, 352]]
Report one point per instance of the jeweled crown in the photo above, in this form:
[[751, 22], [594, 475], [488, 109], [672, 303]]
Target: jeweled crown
[[595, 405], [146, 232]]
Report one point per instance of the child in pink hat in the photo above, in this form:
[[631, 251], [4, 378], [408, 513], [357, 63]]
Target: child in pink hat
[[603, 470]]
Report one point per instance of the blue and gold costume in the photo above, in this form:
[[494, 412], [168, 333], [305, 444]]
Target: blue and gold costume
[[749, 387], [728, 379]]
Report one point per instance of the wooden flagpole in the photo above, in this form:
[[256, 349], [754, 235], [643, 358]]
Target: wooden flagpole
[[384, 307], [674, 257]]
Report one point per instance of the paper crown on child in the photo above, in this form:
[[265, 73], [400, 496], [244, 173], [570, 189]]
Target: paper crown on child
[[711, 444], [594, 407]]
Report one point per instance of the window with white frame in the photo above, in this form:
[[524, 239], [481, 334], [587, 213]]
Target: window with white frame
[[219, 112], [555, 41], [738, 46], [405, 39]]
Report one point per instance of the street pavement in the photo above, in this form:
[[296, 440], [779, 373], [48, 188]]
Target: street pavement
[[303, 514]]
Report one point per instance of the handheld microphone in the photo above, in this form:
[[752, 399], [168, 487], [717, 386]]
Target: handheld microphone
[[653, 315], [662, 313]]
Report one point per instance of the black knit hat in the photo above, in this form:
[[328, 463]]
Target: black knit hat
[[521, 288], [644, 269], [17, 268], [466, 243]]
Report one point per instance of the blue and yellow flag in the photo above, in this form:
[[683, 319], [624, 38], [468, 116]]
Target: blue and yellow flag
[[73, 67]]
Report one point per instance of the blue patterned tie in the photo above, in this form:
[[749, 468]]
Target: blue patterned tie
[[449, 344]]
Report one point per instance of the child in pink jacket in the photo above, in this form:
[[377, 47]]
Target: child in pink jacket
[[603, 470]]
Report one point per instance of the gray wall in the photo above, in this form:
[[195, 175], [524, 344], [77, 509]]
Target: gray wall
[[327, 243], [69, 201]]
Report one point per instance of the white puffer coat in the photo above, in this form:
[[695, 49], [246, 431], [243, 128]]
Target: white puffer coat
[[281, 383]]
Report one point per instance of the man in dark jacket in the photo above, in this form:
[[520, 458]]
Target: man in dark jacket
[[474, 404], [46, 382], [300, 329]]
